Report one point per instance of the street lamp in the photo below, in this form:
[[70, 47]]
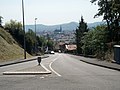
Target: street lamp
[[35, 38], [24, 29]]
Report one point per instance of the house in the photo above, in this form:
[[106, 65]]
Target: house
[[70, 48]]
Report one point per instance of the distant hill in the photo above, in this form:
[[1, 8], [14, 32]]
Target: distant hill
[[67, 26], [9, 49], [91, 25], [41, 27]]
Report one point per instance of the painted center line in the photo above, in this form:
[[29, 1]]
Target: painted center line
[[50, 65]]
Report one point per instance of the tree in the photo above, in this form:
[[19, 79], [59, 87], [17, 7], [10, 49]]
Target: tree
[[15, 29], [50, 45], [110, 10], [40, 43], [94, 41], [79, 34], [116, 18], [30, 41]]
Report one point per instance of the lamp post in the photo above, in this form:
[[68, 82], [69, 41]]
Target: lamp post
[[24, 29], [35, 38]]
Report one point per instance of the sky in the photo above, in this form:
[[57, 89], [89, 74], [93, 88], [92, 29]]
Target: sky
[[49, 12]]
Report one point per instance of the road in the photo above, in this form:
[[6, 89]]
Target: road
[[68, 73]]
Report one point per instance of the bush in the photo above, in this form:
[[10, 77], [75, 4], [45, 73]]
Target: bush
[[94, 42]]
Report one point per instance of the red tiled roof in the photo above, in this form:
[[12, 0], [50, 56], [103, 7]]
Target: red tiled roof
[[71, 47]]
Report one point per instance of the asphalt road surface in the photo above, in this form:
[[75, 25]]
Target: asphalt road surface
[[68, 73]]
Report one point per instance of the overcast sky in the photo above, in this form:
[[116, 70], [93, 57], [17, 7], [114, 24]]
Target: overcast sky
[[49, 12]]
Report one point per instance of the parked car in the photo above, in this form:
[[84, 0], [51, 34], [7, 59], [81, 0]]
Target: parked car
[[52, 52], [59, 51]]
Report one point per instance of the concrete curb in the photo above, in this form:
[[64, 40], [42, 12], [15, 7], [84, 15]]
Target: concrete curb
[[26, 73], [45, 68], [20, 61], [101, 65]]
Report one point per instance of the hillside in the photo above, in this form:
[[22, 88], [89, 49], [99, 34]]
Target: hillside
[[65, 26], [9, 49]]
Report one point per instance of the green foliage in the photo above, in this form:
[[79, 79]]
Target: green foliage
[[9, 49], [15, 29], [6, 36], [94, 41], [79, 34], [33, 42], [37, 43], [50, 44], [30, 41], [110, 10], [41, 41]]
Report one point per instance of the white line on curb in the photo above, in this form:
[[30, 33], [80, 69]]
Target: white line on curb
[[50, 65], [25, 73], [45, 68]]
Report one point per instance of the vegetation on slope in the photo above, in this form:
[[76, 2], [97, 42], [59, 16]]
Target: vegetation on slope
[[9, 49]]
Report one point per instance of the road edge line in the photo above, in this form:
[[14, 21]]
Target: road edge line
[[112, 68], [50, 65], [45, 68]]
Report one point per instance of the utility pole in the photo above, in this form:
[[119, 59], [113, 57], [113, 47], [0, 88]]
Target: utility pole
[[24, 29], [35, 38], [1, 21]]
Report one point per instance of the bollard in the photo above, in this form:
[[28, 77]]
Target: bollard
[[117, 53], [39, 60]]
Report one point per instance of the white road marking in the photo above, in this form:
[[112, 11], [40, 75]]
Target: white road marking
[[50, 65], [42, 77], [45, 68]]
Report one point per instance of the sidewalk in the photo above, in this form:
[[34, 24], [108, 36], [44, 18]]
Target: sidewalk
[[97, 62], [33, 70], [20, 61]]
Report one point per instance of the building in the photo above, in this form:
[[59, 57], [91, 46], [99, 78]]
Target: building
[[58, 31]]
